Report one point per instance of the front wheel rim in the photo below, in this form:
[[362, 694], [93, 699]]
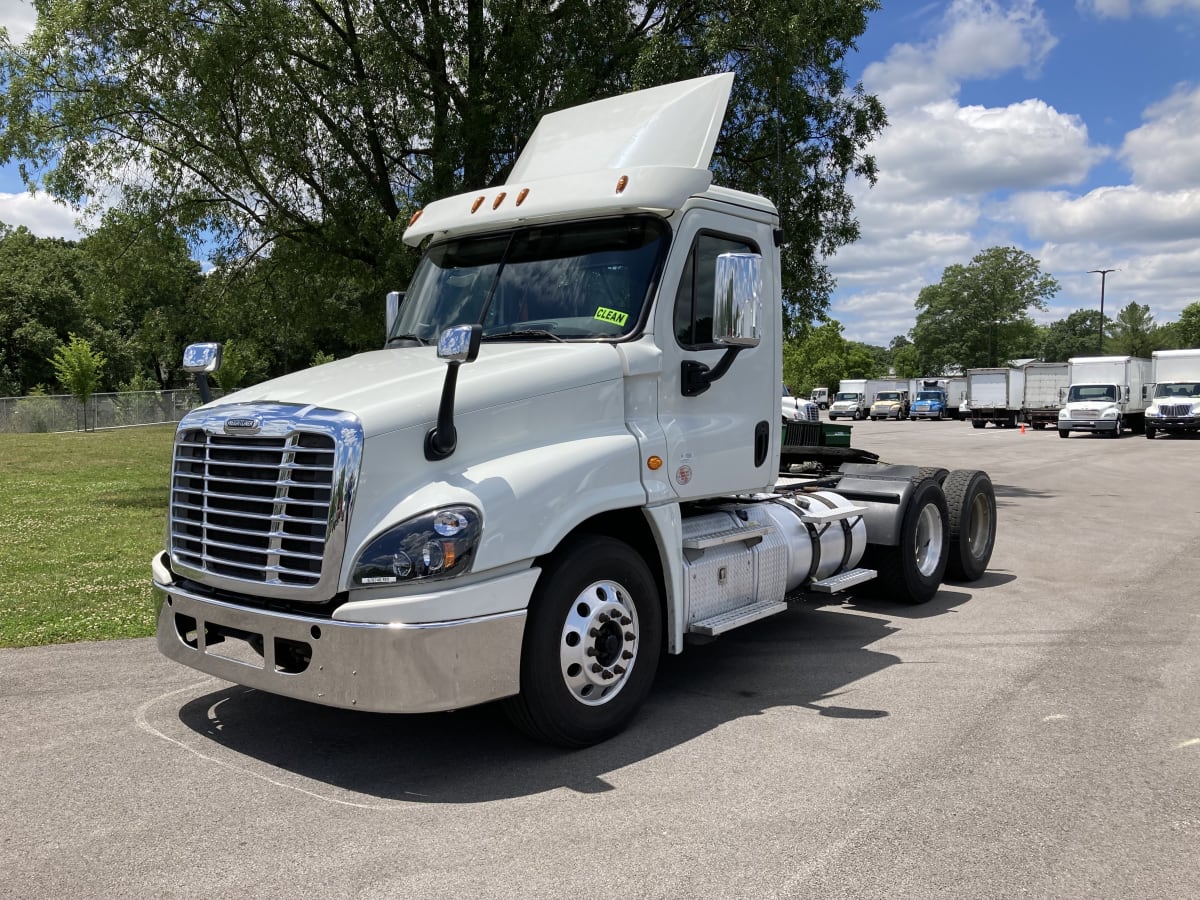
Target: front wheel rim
[[929, 540], [598, 646]]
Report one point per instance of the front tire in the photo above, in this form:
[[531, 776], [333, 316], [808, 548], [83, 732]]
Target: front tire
[[592, 643], [1151, 431], [971, 501], [978, 423], [1117, 431], [1063, 433], [913, 571]]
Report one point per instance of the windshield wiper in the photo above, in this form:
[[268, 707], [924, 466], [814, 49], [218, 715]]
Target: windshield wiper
[[406, 337], [522, 333]]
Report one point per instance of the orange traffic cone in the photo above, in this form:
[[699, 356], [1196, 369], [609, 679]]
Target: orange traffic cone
[[1022, 428]]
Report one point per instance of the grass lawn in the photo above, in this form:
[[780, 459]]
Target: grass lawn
[[80, 517]]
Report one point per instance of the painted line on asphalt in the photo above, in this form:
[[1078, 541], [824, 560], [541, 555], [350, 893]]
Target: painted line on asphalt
[[144, 724]]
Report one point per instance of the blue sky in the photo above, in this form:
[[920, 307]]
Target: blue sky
[[1070, 129]]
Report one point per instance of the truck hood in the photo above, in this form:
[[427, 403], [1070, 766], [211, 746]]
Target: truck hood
[[394, 389]]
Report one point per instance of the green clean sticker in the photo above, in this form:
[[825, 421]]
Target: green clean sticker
[[604, 314]]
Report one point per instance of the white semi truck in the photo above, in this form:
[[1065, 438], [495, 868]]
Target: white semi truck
[[1107, 394], [562, 464], [1175, 406], [1044, 393], [994, 395]]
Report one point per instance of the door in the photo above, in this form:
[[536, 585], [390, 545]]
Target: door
[[725, 439]]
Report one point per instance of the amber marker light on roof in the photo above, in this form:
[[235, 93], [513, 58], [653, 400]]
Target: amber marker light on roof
[[499, 199], [521, 196], [654, 463], [622, 183], [415, 216], [478, 203]]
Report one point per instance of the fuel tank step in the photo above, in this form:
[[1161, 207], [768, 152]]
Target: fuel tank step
[[743, 615], [841, 581]]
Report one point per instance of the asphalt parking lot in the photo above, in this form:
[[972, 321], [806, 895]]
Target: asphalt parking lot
[[1036, 733]]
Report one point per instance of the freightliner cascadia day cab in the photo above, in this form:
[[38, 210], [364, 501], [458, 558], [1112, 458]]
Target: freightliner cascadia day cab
[[563, 463], [1175, 406]]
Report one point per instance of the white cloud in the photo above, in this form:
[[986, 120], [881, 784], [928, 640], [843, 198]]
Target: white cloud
[[40, 213], [1164, 153], [1126, 216], [979, 39], [18, 18], [1123, 9]]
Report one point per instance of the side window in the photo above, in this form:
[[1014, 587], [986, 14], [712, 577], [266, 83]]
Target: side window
[[694, 301]]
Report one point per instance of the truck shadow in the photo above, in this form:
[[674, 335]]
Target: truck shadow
[[807, 659], [1010, 492]]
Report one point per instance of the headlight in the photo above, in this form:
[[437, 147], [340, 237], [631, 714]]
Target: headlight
[[1110, 414], [438, 544], [1064, 414]]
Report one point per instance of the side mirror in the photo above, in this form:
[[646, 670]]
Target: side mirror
[[456, 345], [737, 302], [200, 359], [394, 299]]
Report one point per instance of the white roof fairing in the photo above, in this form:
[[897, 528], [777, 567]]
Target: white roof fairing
[[661, 138]]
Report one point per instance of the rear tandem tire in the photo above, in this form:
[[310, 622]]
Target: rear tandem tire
[[971, 501], [978, 423], [912, 572], [595, 604]]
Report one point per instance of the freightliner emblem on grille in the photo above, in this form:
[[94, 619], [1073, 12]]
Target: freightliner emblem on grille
[[242, 426]]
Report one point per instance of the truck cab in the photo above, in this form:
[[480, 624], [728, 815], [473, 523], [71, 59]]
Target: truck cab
[[929, 404], [890, 405], [1107, 394], [847, 405], [1175, 405], [561, 464]]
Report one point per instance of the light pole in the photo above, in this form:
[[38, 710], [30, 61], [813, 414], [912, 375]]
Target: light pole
[[1103, 273]]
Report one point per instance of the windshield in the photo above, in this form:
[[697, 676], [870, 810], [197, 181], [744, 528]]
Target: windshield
[[1086, 392], [846, 396], [929, 395], [887, 395], [581, 280], [1184, 389]]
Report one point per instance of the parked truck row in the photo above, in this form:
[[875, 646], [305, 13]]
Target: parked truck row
[[562, 464]]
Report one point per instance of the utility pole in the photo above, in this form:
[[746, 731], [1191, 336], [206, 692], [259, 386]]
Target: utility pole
[[1103, 273]]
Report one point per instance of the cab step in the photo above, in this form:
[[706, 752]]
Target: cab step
[[841, 581], [743, 615], [729, 536]]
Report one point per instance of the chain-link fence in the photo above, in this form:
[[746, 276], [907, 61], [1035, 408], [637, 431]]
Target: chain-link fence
[[62, 412]]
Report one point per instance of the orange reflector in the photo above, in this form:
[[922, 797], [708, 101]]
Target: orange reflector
[[521, 196], [622, 182], [448, 554], [654, 463], [478, 203], [415, 216], [499, 199]]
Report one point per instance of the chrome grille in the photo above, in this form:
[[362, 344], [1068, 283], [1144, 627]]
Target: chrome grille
[[1175, 410], [253, 508]]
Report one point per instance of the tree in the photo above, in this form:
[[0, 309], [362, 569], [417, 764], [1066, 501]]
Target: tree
[[264, 123], [41, 303], [978, 314], [78, 368], [1187, 329], [1076, 335], [1131, 332]]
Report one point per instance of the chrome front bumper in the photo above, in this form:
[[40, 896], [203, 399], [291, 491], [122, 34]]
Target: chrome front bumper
[[380, 668]]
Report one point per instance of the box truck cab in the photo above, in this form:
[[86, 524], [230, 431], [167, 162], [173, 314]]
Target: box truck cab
[[1107, 394], [850, 402], [562, 464], [1175, 404]]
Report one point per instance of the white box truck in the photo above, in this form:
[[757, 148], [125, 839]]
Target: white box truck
[[850, 402], [562, 464], [820, 396], [1045, 393], [994, 395], [1107, 394], [1175, 405]]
